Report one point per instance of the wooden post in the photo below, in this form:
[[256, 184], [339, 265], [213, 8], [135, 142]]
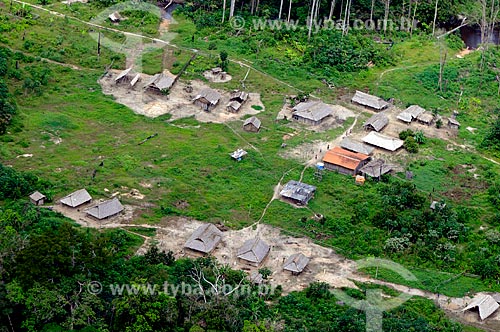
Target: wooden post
[[99, 44]]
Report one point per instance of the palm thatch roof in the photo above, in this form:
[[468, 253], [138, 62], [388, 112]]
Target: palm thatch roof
[[252, 120], [376, 168], [211, 96], [204, 239], [123, 74], [312, 110], [254, 250], [355, 146], [160, 81], [76, 198], [105, 209], [296, 263], [370, 101], [487, 305], [36, 196], [377, 122]]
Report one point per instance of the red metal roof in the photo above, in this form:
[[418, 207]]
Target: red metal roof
[[344, 158]]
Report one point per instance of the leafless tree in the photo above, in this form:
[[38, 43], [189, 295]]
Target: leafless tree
[[435, 17], [217, 286], [231, 9]]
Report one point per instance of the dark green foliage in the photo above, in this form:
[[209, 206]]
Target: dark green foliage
[[154, 256], [406, 133], [14, 184], [439, 123], [492, 138], [411, 145], [223, 60]]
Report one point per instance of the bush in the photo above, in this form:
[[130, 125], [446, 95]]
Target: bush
[[405, 134], [411, 145]]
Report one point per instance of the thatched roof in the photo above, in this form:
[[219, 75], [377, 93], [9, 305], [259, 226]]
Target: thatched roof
[[383, 141], [136, 78], [369, 100], [296, 263], [355, 146], [36, 196], [254, 121], [298, 191], [377, 122], [160, 81], [254, 250], [123, 74], [234, 105], [76, 198], [239, 95], [105, 209], [415, 110], [376, 168], [487, 305], [204, 239], [405, 117], [344, 158], [312, 110], [425, 117], [209, 95]]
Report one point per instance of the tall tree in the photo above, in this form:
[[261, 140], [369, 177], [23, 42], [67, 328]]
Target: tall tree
[[289, 10], [231, 8], [332, 8], [435, 17]]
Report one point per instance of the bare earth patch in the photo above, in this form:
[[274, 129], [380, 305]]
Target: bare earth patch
[[178, 103]]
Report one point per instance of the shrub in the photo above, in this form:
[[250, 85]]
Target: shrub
[[406, 133], [411, 145]]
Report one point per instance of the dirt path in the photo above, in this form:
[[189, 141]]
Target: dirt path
[[276, 195]]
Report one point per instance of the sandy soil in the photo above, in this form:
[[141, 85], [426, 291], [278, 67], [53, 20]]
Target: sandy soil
[[178, 103]]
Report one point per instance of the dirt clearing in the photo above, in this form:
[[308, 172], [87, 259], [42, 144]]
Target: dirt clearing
[[178, 103]]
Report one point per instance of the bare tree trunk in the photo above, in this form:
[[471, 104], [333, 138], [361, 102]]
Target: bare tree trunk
[[231, 9], [387, 4], [413, 19], [223, 10], [348, 16], [371, 11], [257, 7], [332, 8], [316, 13], [281, 9], [341, 9], [435, 17], [252, 6], [289, 10], [311, 18]]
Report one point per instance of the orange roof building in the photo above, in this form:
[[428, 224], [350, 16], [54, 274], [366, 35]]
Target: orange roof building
[[344, 161]]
